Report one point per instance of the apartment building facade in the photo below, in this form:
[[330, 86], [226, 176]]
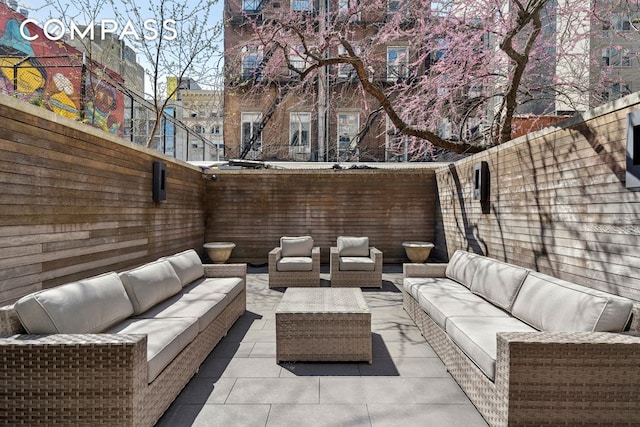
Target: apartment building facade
[[331, 120]]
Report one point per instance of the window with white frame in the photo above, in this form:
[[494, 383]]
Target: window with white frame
[[198, 129], [216, 130], [441, 8], [298, 59], [301, 5], [397, 63], [251, 61], [346, 71], [396, 144], [348, 7], [348, 126], [300, 131], [250, 130]]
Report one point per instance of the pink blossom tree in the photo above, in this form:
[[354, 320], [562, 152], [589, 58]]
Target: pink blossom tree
[[466, 66]]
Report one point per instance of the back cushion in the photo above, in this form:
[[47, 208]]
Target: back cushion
[[551, 304], [353, 246], [149, 284], [296, 246], [498, 282], [187, 266], [87, 306], [461, 267]]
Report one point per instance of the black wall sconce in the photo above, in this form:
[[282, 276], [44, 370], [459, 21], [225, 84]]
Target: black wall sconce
[[481, 181], [159, 181], [481, 189], [633, 150]]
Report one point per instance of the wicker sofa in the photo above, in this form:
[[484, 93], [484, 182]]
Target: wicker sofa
[[528, 348], [115, 349]]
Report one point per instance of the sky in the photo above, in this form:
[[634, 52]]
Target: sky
[[44, 10]]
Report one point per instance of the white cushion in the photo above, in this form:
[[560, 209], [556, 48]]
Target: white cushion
[[187, 265], [295, 263], [552, 304], [357, 263], [206, 307], [86, 306], [497, 281], [450, 300], [230, 286], [462, 267], [296, 246], [166, 338], [477, 337], [149, 284], [412, 285], [353, 246]]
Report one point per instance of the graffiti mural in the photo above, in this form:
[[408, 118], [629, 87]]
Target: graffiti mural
[[51, 74]]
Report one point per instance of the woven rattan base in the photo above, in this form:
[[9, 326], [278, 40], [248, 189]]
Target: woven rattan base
[[324, 324]]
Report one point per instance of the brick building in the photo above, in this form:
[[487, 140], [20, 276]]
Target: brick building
[[329, 121]]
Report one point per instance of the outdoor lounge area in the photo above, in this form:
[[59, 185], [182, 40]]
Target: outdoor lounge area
[[551, 251], [241, 383]]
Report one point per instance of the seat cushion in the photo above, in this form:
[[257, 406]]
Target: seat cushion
[[295, 263], [187, 265], [166, 338], [413, 284], [447, 300], [353, 246], [497, 281], [150, 284], [296, 246], [206, 307], [230, 286], [462, 267], [552, 304], [477, 337], [356, 263], [86, 306]]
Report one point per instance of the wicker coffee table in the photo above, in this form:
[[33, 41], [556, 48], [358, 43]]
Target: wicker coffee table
[[323, 325]]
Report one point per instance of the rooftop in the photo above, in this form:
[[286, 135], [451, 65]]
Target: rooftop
[[241, 383]]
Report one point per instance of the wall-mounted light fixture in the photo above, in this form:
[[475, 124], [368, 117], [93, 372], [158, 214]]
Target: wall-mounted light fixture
[[481, 181], [633, 150], [159, 181]]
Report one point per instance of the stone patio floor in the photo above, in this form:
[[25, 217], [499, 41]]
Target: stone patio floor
[[240, 383]]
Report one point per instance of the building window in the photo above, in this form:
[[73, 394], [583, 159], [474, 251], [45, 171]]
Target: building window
[[397, 63], [621, 21], [300, 131], [297, 61], [198, 129], [216, 130], [348, 126], [616, 57], [440, 8], [251, 5], [251, 61], [617, 90], [301, 5], [393, 6], [396, 144], [346, 71], [348, 7], [250, 129]]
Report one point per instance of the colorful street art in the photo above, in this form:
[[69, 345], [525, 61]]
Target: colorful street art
[[50, 74]]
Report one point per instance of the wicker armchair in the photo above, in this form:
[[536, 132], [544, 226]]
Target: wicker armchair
[[296, 262], [355, 264]]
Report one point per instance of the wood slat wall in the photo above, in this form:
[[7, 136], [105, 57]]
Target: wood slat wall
[[255, 208], [76, 202], [558, 204]]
